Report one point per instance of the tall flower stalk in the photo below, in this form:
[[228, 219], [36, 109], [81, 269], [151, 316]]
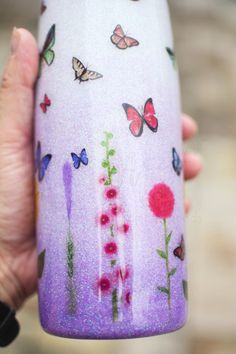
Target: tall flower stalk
[[161, 202], [70, 248], [111, 283]]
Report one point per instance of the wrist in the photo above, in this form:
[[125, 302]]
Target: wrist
[[10, 290]]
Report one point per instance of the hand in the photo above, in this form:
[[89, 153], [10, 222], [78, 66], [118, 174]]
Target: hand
[[18, 256]]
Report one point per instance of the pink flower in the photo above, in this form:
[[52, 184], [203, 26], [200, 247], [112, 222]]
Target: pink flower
[[110, 248], [115, 210], [104, 284], [111, 193], [124, 229], [104, 219], [102, 179], [127, 298], [122, 274], [161, 201]]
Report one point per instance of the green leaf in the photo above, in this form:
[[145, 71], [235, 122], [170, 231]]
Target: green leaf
[[105, 163], [114, 170], [49, 56], [109, 135], [111, 152], [185, 288], [163, 289], [172, 272], [113, 262], [41, 262], [168, 238], [103, 143], [162, 254], [107, 183]]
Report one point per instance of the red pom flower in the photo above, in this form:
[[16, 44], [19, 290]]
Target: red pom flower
[[111, 193], [110, 248], [161, 201], [104, 219]]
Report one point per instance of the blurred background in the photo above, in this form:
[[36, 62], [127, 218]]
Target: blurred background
[[205, 35]]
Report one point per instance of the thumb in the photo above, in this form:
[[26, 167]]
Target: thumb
[[16, 92]]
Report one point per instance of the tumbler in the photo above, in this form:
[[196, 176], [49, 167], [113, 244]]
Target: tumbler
[[108, 171]]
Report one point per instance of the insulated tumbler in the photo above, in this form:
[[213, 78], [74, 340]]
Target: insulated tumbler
[[108, 171]]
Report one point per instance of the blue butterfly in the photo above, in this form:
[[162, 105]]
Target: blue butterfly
[[176, 162], [41, 164], [78, 159]]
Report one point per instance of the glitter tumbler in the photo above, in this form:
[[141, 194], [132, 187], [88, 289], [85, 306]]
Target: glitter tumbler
[[108, 171]]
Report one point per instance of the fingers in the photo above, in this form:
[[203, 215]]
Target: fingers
[[192, 165], [189, 127], [16, 92]]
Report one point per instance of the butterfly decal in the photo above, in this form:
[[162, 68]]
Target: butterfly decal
[[138, 120], [41, 164], [179, 251], [82, 73], [82, 158], [43, 8], [45, 104], [48, 54], [122, 41], [172, 56], [176, 162]]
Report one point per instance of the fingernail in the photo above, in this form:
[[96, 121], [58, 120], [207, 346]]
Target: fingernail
[[15, 40]]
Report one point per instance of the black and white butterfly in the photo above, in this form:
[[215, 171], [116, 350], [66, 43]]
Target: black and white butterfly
[[82, 73], [81, 158], [176, 162]]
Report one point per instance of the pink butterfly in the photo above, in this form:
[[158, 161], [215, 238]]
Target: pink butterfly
[[122, 41]]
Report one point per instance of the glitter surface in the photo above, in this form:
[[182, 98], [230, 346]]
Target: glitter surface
[[71, 200]]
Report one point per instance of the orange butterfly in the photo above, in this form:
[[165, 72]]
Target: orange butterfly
[[122, 41]]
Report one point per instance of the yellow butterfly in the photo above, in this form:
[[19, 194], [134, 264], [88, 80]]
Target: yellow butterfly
[[82, 73]]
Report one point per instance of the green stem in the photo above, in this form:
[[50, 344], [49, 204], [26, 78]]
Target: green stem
[[114, 305], [109, 182], [167, 261], [70, 273], [112, 230]]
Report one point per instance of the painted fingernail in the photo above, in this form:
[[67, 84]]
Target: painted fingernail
[[15, 40]]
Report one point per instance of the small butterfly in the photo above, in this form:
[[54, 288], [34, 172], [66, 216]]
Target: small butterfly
[[41, 164], [43, 8], [180, 250], [45, 104], [121, 40], [48, 53], [176, 162], [82, 158], [83, 74], [172, 56], [138, 120]]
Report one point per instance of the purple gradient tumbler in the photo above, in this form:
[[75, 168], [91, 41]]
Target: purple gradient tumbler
[[109, 186]]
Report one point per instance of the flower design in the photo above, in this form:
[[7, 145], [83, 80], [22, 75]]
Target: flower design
[[161, 201], [104, 219], [122, 274], [112, 222], [115, 210], [111, 192], [111, 248], [127, 298], [124, 229], [104, 284]]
